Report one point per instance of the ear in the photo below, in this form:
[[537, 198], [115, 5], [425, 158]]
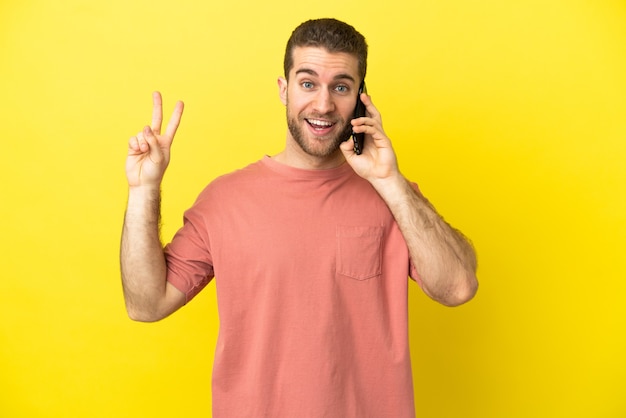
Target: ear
[[282, 90]]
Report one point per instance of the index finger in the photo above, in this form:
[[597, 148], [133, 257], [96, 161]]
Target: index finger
[[157, 112], [177, 114], [371, 109]]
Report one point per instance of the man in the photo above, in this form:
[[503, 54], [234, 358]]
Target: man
[[310, 249]]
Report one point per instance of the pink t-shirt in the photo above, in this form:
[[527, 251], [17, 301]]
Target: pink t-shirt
[[311, 277]]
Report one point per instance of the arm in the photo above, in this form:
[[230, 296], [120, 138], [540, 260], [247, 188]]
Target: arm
[[148, 295], [446, 260]]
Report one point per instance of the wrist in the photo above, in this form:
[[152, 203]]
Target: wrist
[[144, 202], [144, 190], [393, 188]]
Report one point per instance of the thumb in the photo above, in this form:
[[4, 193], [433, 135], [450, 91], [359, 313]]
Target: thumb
[[347, 147]]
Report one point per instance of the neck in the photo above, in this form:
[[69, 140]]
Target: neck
[[294, 156]]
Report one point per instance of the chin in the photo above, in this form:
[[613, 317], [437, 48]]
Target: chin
[[316, 146], [320, 148]]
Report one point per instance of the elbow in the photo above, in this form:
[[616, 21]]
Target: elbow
[[143, 315], [138, 317], [153, 308], [464, 291], [456, 292]]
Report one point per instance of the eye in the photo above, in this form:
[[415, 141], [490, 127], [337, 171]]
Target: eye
[[307, 85], [342, 89]]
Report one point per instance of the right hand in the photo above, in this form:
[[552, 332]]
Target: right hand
[[149, 151]]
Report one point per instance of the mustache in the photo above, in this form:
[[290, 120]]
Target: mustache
[[327, 117]]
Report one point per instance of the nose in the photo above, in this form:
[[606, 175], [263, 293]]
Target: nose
[[323, 102]]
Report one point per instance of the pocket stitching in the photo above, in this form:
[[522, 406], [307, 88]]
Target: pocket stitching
[[348, 265]]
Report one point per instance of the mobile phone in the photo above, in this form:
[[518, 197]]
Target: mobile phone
[[359, 111]]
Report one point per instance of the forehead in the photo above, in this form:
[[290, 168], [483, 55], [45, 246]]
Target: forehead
[[324, 63]]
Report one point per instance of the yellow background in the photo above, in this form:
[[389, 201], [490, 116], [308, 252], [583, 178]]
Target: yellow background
[[511, 115]]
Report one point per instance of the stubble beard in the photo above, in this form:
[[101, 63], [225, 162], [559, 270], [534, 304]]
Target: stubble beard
[[323, 147]]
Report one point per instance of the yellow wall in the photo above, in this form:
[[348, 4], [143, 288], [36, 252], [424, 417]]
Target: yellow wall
[[510, 114]]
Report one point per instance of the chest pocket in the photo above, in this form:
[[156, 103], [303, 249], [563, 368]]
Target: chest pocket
[[359, 251]]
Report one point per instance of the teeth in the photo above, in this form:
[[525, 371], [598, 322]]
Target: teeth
[[319, 123]]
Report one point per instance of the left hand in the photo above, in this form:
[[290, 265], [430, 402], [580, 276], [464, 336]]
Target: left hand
[[378, 160]]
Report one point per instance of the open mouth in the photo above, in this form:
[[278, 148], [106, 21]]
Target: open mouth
[[319, 125]]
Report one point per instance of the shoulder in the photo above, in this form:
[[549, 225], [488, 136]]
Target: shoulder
[[231, 183]]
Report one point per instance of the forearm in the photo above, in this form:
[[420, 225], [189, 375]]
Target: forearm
[[445, 259], [141, 257]]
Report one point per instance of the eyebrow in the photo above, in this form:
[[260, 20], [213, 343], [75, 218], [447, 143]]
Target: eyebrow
[[341, 76]]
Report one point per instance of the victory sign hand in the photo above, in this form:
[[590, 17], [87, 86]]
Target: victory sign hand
[[149, 151]]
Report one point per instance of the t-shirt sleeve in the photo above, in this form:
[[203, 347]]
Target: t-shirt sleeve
[[188, 255]]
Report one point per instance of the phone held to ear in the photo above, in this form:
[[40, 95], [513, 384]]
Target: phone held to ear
[[359, 111]]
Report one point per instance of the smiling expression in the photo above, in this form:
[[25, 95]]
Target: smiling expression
[[320, 97]]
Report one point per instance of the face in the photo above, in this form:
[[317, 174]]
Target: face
[[320, 98]]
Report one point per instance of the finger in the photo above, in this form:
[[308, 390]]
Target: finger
[[133, 144], [370, 108], [372, 130], [151, 140], [142, 144], [177, 114], [347, 147], [157, 112], [361, 124], [138, 143]]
